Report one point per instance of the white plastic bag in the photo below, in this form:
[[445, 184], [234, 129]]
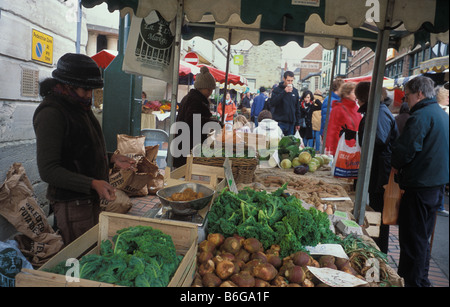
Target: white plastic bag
[[346, 160], [12, 262]]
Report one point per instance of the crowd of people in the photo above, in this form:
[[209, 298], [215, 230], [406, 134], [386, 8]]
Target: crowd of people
[[72, 157]]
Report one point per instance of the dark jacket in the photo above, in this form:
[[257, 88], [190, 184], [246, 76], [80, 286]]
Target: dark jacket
[[70, 149], [285, 107], [193, 103], [402, 117], [387, 133], [258, 105], [421, 153]]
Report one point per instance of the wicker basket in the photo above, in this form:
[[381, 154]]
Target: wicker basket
[[243, 168]]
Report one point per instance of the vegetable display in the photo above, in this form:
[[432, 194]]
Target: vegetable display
[[139, 256], [271, 218], [243, 262]]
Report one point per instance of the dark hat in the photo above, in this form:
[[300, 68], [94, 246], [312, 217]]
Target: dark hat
[[78, 70], [262, 89]]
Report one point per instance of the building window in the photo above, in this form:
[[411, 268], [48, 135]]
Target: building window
[[102, 42]]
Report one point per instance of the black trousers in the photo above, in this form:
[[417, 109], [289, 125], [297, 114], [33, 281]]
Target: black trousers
[[376, 202], [417, 216]]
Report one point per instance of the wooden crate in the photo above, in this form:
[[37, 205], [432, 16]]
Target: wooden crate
[[184, 236], [210, 176]]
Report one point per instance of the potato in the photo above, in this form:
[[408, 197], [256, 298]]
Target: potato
[[287, 264], [300, 258], [279, 281], [204, 256], [308, 283], [274, 260], [243, 255], [253, 245], [206, 246], [265, 271], [243, 279], [206, 267], [259, 255], [216, 238], [293, 284], [228, 284], [325, 260], [228, 256], [341, 262], [197, 281], [295, 274], [225, 269], [211, 280], [250, 265], [261, 283], [231, 245]]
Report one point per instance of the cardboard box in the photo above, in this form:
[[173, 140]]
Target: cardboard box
[[184, 237]]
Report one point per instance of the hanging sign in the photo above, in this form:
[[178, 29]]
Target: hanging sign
[[191, 58], [42, 47], [238, 59], [150, 47]]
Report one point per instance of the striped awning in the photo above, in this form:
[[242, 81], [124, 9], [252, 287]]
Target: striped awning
[[302, 21]]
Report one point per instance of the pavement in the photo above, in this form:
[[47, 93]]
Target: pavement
[[438, 273]]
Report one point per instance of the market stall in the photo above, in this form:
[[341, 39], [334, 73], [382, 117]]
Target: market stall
[[282, 229]]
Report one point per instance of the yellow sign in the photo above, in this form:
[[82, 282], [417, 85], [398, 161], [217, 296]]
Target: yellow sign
[[238, 59], [42, 47]]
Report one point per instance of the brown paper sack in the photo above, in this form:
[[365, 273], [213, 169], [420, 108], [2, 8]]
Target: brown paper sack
[[38, 241], [133, 182], [122, 203], [131, 145]]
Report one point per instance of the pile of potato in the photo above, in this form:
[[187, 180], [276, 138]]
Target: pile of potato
[[242, 262]]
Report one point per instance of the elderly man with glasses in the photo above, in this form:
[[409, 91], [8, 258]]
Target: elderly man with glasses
[[421, 158]]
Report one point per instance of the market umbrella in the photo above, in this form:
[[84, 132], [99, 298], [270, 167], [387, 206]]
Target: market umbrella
[[104, 57], [220, 75], [380, 25]]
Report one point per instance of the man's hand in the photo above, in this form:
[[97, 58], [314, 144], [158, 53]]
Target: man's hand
[[104, 189], [297, 128], [123, 162], [289, 88]]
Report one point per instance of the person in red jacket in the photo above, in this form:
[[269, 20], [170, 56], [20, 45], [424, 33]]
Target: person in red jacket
[[344, 116], [230, 110]]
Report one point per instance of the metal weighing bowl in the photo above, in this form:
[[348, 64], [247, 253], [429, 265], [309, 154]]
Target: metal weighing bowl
[[186, 207]]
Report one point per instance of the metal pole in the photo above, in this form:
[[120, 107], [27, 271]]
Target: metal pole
[[225, 88], [370, 128], [79, 20], [327, 118], [176, 71]]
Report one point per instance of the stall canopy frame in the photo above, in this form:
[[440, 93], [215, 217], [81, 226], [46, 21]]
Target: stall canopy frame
[[379, 24]]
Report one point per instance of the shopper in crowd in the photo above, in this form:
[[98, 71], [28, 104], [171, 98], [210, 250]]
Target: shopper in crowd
[[402, 117], [194, 106], [306, 109], [258, 105], [241, 124], [246, 101], [285, 105], [335, 86], [316, 119], [230, 111], [442, 99], [344, 116], [268, 127], [420, 156], [70, 148], [386, 134]]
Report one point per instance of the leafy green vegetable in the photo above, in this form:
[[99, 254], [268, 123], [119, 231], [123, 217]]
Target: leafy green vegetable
[[139, 256], [271, 218]]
